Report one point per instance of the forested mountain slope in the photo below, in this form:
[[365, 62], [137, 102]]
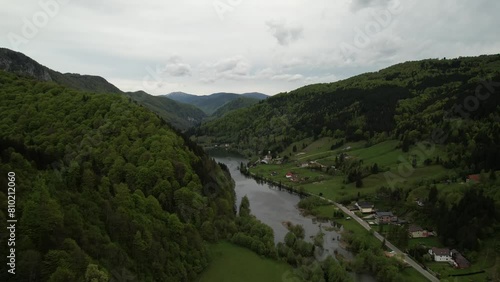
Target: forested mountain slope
[[104, 188], [240, 103], [21, 64], [180, 115], [211, 103], [409, 101]]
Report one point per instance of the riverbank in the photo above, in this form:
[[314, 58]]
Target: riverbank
[[273, 184], [356, 238], [275, 207]]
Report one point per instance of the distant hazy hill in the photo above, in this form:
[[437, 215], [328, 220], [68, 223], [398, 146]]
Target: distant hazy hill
[[182, 97], [255, 95], [179, 114], [211, 103], [21, 64]]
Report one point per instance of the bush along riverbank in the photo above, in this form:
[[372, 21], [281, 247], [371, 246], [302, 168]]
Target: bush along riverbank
[[370, 256]]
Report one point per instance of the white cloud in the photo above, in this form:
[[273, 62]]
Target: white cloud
[[236, 67], [357, 5], [250, 50], [283, 33], [175, 67], [288, 77]]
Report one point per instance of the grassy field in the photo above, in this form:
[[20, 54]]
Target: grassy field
[[232, 263], [427, 242], [385, 154], [387, 157], [409, 274], [445, 270], [485, 260]]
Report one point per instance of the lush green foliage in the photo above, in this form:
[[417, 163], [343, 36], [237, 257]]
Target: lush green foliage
[[21, 64], [239, 103], [210, 104], [309, 203], [253, 234], [450, 102], [466, 223], [180, 115], [105, 188], [233, 263], [370, 257], [413, 127]]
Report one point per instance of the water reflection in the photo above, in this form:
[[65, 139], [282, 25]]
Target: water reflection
[[273, 207]]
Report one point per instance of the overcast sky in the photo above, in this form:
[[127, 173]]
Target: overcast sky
[[269, 46]]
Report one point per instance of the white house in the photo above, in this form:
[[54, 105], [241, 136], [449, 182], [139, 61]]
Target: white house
[[416, 231], [441, 255]]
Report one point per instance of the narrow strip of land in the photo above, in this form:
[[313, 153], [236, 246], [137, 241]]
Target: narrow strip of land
[[365, 225]]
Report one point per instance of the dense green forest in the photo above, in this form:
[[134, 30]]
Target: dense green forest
[[389, 117], [180, 115], [210, 104], [105, 188], [447, 101], [21, 64], [237, 104]]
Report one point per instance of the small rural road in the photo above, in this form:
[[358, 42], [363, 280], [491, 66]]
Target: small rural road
[[363, 223]]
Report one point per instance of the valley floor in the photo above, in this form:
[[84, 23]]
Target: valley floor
[[302, 166], [233, 263]]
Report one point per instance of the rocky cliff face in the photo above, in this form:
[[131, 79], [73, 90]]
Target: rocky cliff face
[[21, 64]]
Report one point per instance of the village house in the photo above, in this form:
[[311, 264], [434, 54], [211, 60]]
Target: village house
[[385, 218], [440, 254], [415, 231], [453, 257], [365, 207], [473, 178], [292, 177], [459, 261]]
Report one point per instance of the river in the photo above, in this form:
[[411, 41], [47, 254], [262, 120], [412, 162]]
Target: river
[[273, 207]]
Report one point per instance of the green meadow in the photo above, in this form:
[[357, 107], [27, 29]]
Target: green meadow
[[231, 263], [386, 155]]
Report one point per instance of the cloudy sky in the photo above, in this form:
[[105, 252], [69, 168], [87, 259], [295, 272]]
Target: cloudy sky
[[269, 46]]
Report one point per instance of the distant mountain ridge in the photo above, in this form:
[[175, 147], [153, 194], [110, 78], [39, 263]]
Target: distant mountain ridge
[[180, 115], [211, 103], [181, 109]]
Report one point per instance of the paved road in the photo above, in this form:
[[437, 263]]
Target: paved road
[[363, 223]]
